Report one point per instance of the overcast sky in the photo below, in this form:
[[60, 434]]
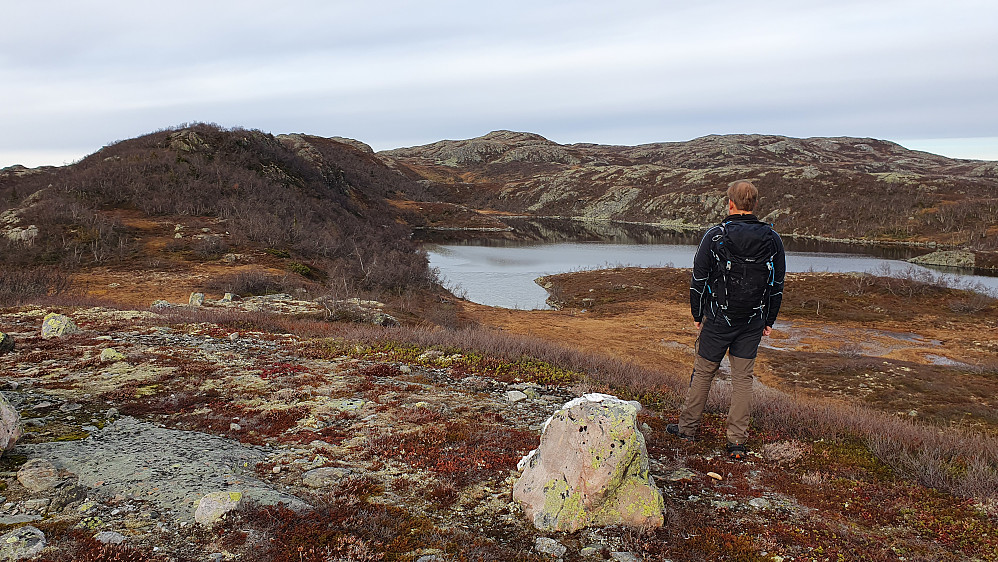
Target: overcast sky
[[75, 75]]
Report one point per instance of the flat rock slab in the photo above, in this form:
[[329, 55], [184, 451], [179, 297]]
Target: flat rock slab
[[170, 468]]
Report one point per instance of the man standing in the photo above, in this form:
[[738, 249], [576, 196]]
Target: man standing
[[735, 295]]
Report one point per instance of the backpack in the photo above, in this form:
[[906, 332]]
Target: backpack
[[743, 255]]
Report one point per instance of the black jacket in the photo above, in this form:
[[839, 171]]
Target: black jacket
[[701, 292]]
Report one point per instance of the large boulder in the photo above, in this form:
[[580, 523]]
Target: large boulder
[[10, 425], [56, 325], [591, 469]]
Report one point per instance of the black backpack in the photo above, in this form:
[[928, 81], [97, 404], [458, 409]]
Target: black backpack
[[743, 275]]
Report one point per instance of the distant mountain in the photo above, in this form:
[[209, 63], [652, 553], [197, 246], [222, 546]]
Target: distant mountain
[[835, 187]]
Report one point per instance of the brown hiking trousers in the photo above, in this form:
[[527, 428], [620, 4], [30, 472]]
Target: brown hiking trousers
[[741, 397]]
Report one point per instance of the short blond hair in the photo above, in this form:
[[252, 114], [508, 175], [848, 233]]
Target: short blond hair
[[743, 194]]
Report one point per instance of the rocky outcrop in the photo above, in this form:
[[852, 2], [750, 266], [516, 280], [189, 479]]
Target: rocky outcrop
[[947, 258], [10, 425], [591, 469]]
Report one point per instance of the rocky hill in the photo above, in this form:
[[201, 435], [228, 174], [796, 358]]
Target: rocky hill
[[190, 197], [834, 187]]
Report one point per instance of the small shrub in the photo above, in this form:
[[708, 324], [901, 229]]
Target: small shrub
[[300, 269]]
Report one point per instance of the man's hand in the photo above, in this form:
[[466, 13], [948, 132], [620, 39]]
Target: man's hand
[[767, 330], [698, 324]]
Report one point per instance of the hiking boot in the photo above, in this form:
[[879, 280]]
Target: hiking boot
[[673, 429], [737, 451]]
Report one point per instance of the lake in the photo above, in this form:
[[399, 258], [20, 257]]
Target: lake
[[503, 275]]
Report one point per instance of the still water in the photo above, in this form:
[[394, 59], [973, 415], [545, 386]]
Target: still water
[[503, 276]]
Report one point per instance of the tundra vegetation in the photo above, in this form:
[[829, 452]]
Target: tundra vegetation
[[875, 436]]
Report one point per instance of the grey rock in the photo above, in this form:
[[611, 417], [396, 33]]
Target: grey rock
[[625, 557], [39, 505], [760, 503], [549, 546], [109, 537], [324, 477], [169, 469], [19, 544], [6, 343], [514, 396], [212, 507], [19, 519], [196, 299], [10, 425]]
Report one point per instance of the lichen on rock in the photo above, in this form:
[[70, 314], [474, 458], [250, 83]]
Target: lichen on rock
[[591, 469]]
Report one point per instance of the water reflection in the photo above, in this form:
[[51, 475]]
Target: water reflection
[[502, 272]]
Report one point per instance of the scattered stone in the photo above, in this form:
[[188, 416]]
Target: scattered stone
[[591, 469], [714, 475], [235, 427], [551, 547], [531, 393], [38, 475], [10, 425], [431, 355], [430, 558], [514, 396], [26, 542], [160, 304], [324, 477], [717, 504], [19, 519], [276, 469], [234, 336], [38, 505], [682, 474], [110, 355], [760, 503], [215, 505], [56, 325], [196, 299], [109, 537], [625, 557], [591, 551], [6, 343]]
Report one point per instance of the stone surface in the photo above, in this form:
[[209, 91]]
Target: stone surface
[[110, 355], [10, 425], [127, 458], [624, 557], [196, 299], [109, 537], [38, 475], [591, 469], [324, 477], [56, 325], [19, 544], [215, 505], [551, 547], [6, 343], [515, 396]]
